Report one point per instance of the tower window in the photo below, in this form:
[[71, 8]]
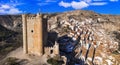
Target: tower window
[[51, 51], [32, 31]]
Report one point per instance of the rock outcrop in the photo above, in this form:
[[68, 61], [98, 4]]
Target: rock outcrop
[[12, 22], [91, 31], [94, 38]]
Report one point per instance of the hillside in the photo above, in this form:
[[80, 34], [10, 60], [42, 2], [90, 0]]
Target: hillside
[[9, 40], [12, 22], [91, 37], [97, 36]]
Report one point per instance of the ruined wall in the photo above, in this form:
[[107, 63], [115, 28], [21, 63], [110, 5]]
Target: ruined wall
[[52, 50]]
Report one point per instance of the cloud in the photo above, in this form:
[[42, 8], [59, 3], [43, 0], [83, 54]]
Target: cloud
[[10, 6], [5, 6], [14, 11], [9, 9], [73, 4], [81, 4], [87, 1], [98, 3], [64, 4], [2, 11]]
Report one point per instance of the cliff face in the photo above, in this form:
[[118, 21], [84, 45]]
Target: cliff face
[[110, 23], [10, 34], [12, 22], [96, 34]]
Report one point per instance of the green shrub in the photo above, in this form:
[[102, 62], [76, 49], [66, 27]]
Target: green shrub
[[52, 61], [57, 60]]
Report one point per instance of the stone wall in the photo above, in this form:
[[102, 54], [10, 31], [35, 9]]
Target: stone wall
[[34, 34], [52, 50]]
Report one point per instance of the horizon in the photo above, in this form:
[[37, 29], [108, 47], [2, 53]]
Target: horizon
[[13, 7], [60, 13]]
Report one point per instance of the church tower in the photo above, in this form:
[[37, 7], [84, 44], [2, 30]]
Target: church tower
[[34, 34]]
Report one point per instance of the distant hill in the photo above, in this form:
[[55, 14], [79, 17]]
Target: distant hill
[[12, 22]]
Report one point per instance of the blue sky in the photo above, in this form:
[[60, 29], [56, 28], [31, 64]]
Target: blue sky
[[51, 6]]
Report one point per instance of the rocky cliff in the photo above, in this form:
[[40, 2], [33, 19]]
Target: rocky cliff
[[12, 22], [94, 38]]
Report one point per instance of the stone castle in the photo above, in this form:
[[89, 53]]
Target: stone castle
[[35, 36]]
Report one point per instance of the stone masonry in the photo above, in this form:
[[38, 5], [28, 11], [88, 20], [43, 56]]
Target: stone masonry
[[35, 35]]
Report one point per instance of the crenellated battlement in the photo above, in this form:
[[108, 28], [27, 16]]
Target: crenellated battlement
[[52, 49], [29, 17]]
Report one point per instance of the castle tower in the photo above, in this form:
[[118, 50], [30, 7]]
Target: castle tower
[[24, 33], [34, 34]]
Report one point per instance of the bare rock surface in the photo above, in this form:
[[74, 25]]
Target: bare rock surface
[[94, 38]]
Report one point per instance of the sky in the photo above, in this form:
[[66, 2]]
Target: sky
[[53, 6]]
